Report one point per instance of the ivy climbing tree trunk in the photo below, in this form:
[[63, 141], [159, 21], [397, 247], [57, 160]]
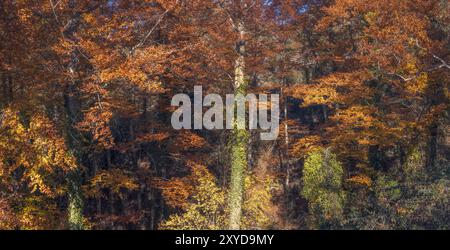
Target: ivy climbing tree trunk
[[239, 139], [75, 207]]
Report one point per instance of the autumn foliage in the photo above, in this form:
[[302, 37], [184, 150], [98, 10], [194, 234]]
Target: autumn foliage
[[86, 140]]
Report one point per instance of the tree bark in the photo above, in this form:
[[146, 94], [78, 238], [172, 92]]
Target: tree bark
[[73, 178], [76, 204], [239, 140]]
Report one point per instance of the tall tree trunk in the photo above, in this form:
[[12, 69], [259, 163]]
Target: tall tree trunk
[[73, 179], [76, 205], [286, 138], [239, 140]]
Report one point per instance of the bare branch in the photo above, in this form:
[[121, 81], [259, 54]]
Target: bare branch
[[230, 16], [53, 9], [443, 63], [141, 43]]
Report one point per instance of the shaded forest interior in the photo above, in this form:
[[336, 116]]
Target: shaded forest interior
[[86, 140]]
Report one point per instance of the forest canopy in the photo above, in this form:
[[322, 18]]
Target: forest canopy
[[86, 140]]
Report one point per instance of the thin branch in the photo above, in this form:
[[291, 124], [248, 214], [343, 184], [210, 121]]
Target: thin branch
[[444, 64], [230, 16], [53, 10], [141, 43]]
